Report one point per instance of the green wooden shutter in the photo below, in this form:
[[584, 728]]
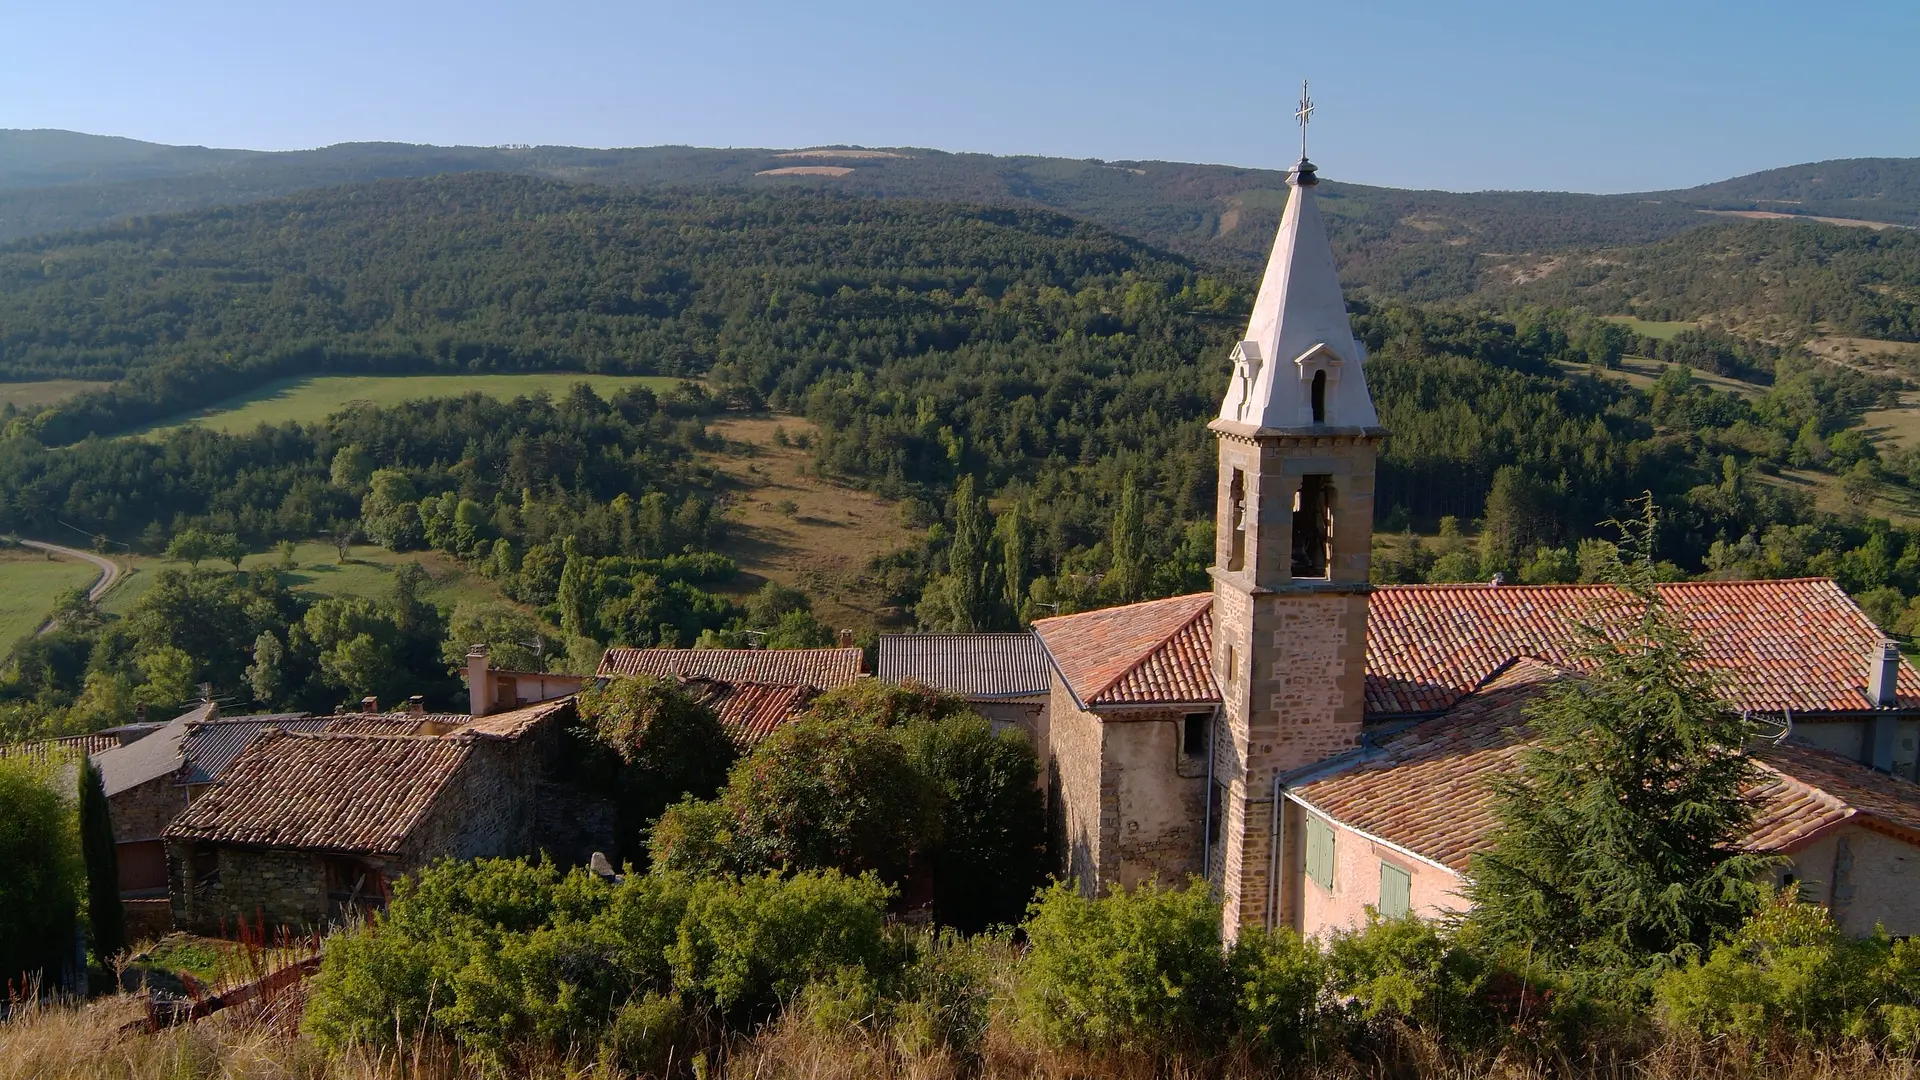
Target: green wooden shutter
[[1319, 852], [1396, 888]]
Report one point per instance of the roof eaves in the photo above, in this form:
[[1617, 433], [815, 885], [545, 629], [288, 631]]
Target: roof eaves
[[1381, 840], [1054, 662]]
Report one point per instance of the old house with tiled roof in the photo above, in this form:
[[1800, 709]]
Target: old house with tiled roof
[[754, 691], [302, 826], [1004, 677], [1315, 745]]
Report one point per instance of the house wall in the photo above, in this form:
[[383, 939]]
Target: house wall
[[1076, 788], [144, 811], [1432, 891], [1865, 878], [1159, 799], [1853, 738], [278, 888]]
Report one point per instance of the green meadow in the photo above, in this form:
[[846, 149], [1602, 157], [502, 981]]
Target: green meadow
[[1659, 331], [309, 398], [29, 584]]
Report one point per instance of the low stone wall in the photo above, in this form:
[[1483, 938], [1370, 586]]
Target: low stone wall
[[148, 919], [276, 888]]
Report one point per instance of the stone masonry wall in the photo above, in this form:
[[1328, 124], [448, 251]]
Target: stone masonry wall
[[1159, 799], [1078, 784], [278, 888], [143, 812]]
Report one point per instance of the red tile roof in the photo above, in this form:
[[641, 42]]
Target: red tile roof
[[49, 748], [1134, 655], [1426, 788], [389, 723], [751, 711], [822, 669], [512, 724], [350, 793], [1798, 644]]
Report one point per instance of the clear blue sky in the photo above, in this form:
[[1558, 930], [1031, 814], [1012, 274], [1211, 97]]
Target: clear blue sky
[[1617, 96]]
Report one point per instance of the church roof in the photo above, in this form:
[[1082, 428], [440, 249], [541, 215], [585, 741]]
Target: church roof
[[1799, 644], [1426, 789], [1155, 652]]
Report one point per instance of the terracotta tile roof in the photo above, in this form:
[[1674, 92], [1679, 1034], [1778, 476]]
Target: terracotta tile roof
[[822, 669], [751, 711], [393, 723], [515, 723], [349, 793], [1426, 788], [70, 744], [1138, 654], [971, 665], [1797, 644]]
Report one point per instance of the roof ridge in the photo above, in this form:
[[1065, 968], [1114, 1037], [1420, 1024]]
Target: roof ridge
[[1199, 610]]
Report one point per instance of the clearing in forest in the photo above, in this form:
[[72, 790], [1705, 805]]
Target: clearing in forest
[[317, 569], [788, 525], [311, 398], [806, 170], [32, 395], [1659, 331]]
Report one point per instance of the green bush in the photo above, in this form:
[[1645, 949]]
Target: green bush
[[1789, 973], [506, 957], [645, 1032], [991, 853], [668, 746], [42, 888], [945, 991], [1277, 980], [1139, 969], [1407, 970]]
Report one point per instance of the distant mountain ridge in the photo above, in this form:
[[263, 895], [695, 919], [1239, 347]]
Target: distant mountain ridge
[[1425, 245]]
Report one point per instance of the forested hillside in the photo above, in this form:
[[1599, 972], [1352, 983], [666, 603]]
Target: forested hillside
[[1779, 280], [1423, 244]]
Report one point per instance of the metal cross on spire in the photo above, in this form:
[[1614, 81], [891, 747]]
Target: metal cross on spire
[[1304, 114]]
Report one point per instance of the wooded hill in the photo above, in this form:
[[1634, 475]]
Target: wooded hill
[[1421, 244]]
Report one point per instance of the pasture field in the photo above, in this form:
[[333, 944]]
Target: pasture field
[[310, 398], [1659, 331], [29, 584], [32, 395], [316, 569], [824, 542], [1643, 372]]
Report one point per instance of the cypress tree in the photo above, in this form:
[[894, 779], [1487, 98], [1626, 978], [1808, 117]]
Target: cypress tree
[[1128, 542], [1617, 844], [104, 913]]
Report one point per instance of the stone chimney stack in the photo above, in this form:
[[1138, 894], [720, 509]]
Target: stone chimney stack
[[1883, 677], [479, 683], [417, 705], [369, 704], [846, 639]]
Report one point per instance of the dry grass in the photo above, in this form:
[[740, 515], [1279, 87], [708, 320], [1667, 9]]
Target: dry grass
[[1771, 215], [806, 170], [829, 540]]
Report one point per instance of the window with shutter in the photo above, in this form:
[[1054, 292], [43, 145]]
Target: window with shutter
[[1396, 888], [1319, 852]]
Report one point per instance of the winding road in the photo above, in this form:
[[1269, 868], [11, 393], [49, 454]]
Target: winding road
[[109, 570]]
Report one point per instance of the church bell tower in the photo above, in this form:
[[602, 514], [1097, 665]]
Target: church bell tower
[[1297, 437]]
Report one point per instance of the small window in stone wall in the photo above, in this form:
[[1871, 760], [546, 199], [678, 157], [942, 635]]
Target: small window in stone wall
[[1216, 805], [1319, 852], [1396, 890], [205, 866], [1193, 733], [353, 885]]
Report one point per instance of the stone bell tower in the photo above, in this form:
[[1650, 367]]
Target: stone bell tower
[[1297, 436]]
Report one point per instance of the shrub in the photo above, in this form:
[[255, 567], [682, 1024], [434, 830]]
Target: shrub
[[1407, 970], [1790, 973], [945, 992], [991, 854], [40, 892], [1276, 979], [1139, 969], [669, 746], [745, 945], [645, 1032]]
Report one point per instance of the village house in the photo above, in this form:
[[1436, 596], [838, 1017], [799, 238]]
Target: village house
[[304, 827], [1315, 746], [1003, 676], [753, 691]]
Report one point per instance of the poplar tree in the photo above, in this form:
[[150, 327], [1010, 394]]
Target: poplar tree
[[1617, 844], [1128, 543]]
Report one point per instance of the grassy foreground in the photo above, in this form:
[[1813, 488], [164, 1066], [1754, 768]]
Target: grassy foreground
[[309, 398], [105, 1040]]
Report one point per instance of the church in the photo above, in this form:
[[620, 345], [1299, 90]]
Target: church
[[1316, 746]]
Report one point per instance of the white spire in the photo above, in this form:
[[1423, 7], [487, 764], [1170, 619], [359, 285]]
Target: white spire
[[1299, 332]]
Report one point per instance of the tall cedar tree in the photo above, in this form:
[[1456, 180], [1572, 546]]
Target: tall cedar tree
[[1128, 542], [104, 914], [1616, 848]]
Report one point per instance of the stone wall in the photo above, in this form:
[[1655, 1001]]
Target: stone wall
[[1077, 786], [1865, 878], [277, 888], [144, 811], [1159, 797]]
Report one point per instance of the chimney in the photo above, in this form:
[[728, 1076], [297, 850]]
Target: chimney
[[479, 686], [140, 713], [340, 709], [1499, 579], [1883, 677], [417, 705], [369, 704], [846, 639]]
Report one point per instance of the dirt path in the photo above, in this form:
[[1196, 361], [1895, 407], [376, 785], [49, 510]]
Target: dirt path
[[109, 570]]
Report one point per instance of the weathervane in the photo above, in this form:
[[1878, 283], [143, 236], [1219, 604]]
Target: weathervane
[[1304, 114]]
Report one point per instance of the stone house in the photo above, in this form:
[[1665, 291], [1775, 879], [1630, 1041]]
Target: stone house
[[1315, 745], [1004, 677], [302, 828], [754, 691]]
